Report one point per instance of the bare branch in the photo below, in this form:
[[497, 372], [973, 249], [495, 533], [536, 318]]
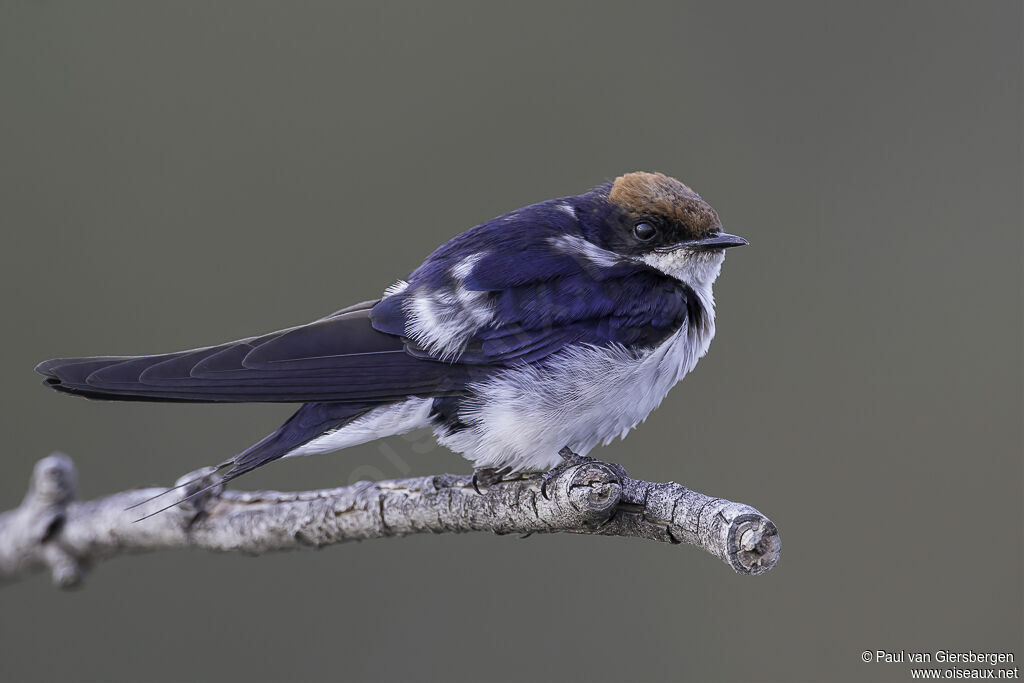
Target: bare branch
[[50, 530]]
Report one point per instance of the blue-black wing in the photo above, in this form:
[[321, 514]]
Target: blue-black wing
[[520, 289], [339, 358]]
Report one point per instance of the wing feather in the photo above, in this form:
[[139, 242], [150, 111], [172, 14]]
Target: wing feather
[[340, 358]]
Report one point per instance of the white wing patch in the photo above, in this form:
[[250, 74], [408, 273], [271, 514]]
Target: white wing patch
[[396, 288], [443, 320], [588, 251]]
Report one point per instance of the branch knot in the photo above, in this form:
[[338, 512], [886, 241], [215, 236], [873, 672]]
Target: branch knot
[[594, 488]]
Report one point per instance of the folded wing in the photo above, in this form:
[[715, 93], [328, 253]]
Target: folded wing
[[339, 358], [517, 289]]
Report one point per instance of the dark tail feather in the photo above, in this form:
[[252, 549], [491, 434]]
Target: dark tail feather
[[178, 502], [226, 463], [175, 488], [310, 421]]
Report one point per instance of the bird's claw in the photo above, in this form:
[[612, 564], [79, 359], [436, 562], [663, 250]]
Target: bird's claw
[[570, 457], [488, 476]]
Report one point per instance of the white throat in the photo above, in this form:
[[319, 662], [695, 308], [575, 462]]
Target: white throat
[[698, 269]]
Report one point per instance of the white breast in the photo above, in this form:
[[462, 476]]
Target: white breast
[[584, 397]]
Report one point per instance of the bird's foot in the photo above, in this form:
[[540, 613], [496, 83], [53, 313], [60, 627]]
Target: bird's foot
[[488, 476], [570, 457]]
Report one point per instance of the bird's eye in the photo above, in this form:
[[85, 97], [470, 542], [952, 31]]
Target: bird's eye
[[644, 231]]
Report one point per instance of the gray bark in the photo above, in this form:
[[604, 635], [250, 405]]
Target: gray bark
[[51, 530]]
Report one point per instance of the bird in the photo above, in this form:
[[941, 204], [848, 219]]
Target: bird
[[539, 334]]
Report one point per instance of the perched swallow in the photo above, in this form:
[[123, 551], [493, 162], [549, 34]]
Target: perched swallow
[[560, 324]]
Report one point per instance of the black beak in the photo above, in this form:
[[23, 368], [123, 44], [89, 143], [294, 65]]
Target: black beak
[[722, 240]]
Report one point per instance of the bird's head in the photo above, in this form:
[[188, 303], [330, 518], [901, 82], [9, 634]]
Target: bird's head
[[659, 221]]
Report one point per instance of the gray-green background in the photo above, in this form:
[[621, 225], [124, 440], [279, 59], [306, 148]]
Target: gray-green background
[[173, 175]]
